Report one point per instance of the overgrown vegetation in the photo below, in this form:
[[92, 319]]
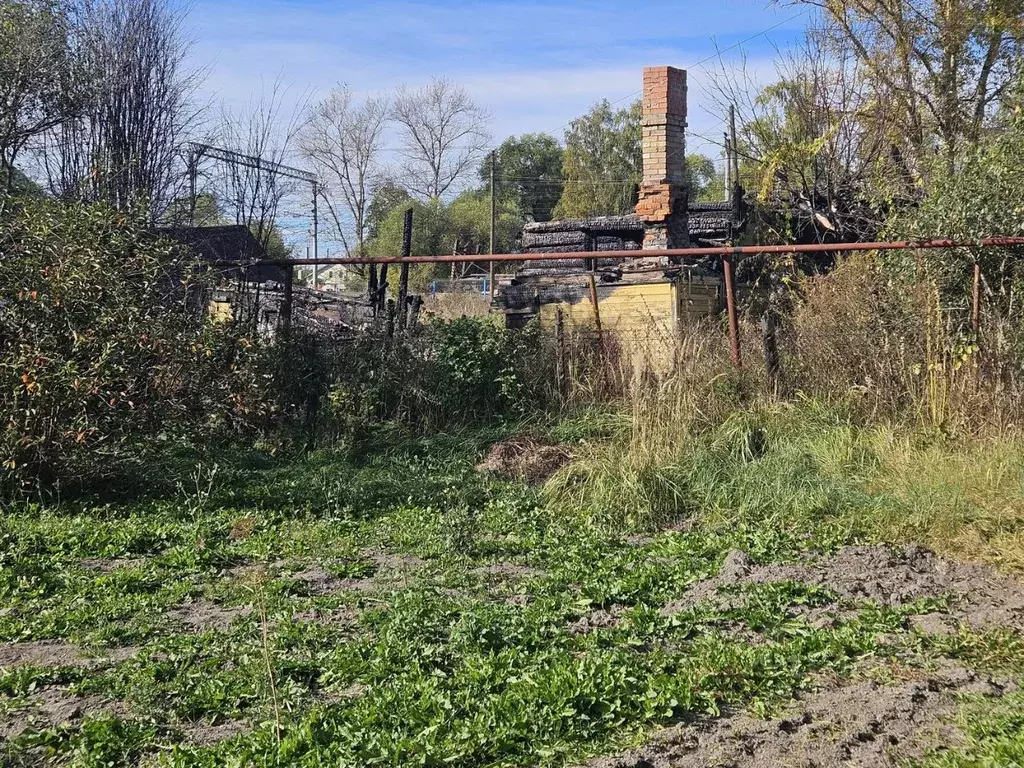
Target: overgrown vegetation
[[407, 610], [224, 547]]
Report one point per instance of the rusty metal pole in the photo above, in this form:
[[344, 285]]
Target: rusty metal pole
[[730, 306], [591, 245], [597, 309], [976, 299]]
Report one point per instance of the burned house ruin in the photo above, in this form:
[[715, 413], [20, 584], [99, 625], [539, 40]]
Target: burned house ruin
[[634, 296]]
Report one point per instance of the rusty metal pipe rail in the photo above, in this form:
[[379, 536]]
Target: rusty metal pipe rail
[[725, 250]]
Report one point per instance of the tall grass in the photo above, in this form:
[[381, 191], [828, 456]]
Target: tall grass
[[892, 428]]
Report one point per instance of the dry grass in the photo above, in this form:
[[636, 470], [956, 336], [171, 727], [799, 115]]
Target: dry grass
[[894, 427], [452, 306]]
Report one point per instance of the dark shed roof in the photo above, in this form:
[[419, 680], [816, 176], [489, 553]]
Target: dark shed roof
[[226, 244]]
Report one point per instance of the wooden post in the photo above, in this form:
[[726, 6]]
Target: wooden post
[[730, 306], [728, 169], [286, 303], [727, 264], [382, 288], [316, 239], [403, 280], [414, 311], [976, 299], [769, 333], [372, 289], [560, 351], [494, 217], [389, 328], [734, 147], [193, 171]]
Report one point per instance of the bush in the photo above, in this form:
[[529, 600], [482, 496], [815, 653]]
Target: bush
[[102, 340], [447, 375]]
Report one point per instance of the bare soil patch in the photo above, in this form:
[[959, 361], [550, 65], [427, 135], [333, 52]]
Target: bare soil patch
[[524, 458], [205, 734], [857, 724], [53, 706], [864, 724], [204, 614], [317, 581], [504, 571], [57, 653], [979, 595], [391, 561], [343, 617], [599, 619]]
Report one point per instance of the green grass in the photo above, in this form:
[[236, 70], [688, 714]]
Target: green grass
[[450, 663], [806, 466]]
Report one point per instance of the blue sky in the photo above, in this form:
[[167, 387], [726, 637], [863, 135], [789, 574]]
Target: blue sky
[[534, 65]]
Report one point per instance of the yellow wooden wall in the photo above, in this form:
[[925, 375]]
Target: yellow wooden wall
[[650, 310]]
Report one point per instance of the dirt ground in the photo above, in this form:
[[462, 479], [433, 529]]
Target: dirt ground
[[862, 723], [871, 720]]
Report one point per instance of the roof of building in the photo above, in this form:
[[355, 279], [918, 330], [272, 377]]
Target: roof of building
[[708, 225], [229, 243]]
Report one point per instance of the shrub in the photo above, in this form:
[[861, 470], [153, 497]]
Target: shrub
[[102, 339]]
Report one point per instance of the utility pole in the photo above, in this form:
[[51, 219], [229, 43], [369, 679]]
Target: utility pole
[[728, 167], [494, 216], [727, 263], [734, 146]]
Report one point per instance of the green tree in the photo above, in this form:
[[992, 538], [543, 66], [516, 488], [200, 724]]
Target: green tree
[[469, 218], [980, 197], [205, 213], [37, 75], [432, 235], [704, 181], [529, 171], [941, 67], [388, 196], [603, 163]]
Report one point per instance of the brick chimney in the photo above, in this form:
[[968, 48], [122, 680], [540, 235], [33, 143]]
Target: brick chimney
[[662, 202]]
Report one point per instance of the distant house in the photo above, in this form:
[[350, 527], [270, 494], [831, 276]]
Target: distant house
[[248, 290]]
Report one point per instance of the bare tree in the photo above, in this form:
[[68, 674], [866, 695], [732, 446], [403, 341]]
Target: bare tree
[[126, 145], [817, 139], [264, 131], [343, 141], [444, 134], [37, 75], [944, 65]]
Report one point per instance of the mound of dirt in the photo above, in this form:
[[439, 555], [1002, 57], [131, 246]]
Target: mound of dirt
[[863, 724], [524, 458]]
